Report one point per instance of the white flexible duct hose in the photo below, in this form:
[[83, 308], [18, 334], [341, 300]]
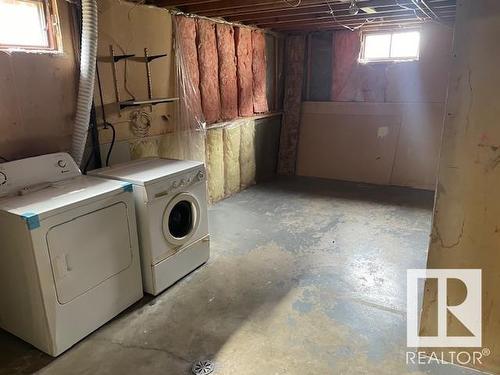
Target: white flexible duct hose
[[88, 57]]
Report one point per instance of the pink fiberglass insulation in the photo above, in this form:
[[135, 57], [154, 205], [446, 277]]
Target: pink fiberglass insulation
[[259, 72], [209, 71], [227, 71], [243, 38], [346, 46], [352, 81], [188, 59]]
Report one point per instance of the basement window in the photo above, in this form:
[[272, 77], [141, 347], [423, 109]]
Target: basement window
[[28, 25], [390, 46]]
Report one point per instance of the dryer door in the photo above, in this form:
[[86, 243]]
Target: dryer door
[[181, 218], [88, 250]]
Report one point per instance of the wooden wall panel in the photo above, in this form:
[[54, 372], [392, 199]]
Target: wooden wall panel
[[381, 143], [343, 141], [122, 25], [38, 98], [419, 143]]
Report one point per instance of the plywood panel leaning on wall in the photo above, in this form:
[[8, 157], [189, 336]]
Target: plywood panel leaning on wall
[[209, 70], [294, 62], [348, 141], [243, 39], [232, 139], [215, 164], [259, 71], [227, 71], [417, 156]]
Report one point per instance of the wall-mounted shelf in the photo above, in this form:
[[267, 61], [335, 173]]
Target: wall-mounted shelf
[[117, 58], [137, 103], [133, 102], [149, 58]]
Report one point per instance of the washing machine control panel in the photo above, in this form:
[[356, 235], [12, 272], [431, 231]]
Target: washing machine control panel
[[30, 174], [182, 182]]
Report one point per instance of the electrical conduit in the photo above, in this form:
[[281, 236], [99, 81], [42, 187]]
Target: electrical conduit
[[88, 57]]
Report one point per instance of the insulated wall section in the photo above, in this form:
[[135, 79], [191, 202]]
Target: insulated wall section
[[209, 71], [227, 71], [243, 40]]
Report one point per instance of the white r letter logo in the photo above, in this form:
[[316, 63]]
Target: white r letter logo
[[468, 313]]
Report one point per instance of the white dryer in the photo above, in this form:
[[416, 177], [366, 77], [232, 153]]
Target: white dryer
[[69, 256], [171, 205]]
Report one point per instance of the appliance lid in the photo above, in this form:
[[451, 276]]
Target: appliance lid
[[61, 196], [148, 170]]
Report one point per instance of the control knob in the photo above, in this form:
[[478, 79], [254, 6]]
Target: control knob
[[61, 163], [3, 178]]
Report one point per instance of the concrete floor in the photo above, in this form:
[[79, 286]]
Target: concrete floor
[[306, 277]]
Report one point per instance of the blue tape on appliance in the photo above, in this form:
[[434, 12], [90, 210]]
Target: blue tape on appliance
[[32, 220], [128, 187]]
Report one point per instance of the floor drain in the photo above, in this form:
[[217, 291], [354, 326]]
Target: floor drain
[[203, 367]]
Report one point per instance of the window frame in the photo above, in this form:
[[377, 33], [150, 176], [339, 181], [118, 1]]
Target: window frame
[[52, 30], [362, 59]]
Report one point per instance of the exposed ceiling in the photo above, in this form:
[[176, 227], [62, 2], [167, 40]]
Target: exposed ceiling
[[308, 15]]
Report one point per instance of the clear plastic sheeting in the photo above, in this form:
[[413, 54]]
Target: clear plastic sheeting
[[144, 148], [183, 145], [215, 82], [188, 139]]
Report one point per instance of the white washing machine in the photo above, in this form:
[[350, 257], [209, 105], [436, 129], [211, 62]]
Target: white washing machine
[[171, 205], [69, 254]]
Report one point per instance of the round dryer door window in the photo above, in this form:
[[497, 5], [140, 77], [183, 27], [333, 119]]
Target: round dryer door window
[[181, 219]]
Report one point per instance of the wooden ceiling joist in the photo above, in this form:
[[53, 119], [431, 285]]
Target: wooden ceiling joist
[[314, 10], [349, 22], [406, 22], [223, 7], [280, 15], [318, 12]]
